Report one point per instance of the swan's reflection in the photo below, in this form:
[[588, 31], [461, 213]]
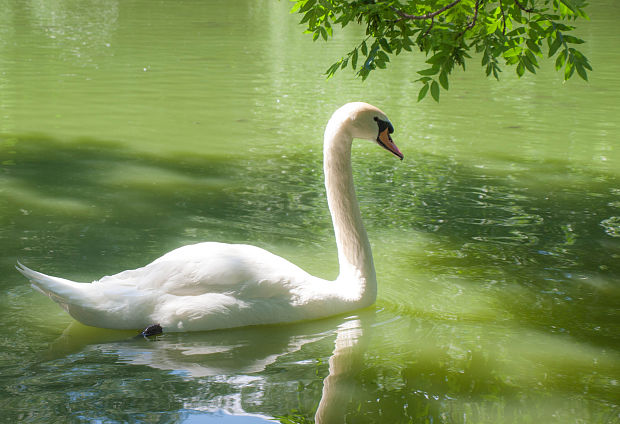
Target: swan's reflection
[[234, 351], [339, 386], [241, 358]]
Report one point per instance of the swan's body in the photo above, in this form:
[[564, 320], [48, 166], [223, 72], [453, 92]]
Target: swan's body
[[208, 286]]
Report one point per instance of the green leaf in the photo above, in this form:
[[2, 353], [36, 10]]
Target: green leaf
[[559, 62], [573, 40], [364, 48], [531, 58], [533, 46], [332, 69], [525, 60], [423, 91], [581, 71], [385, 45], [307, 17], [492, 27], [569, 4], [307, 6], [520, 69], [562, 27], [437, 58], [485, 58], [435, 90], [383, 56], [429, 71], [516, 51], [323, 33], [329, 29], [354, 59], [568, 70], [536, 27], [512, 60], [553, 47], [407, 43], [327, 5], [443, 80], [516, 31], [296, 6]]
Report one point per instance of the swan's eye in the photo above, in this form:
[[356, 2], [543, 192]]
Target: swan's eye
[[383, 125]]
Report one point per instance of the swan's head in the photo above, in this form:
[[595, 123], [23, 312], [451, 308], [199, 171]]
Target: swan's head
[[370, 123]]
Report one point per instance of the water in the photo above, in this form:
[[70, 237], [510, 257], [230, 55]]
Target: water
[[130, 128]]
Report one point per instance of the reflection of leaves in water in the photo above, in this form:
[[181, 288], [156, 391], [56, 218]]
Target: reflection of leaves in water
[[88, 386], [436, 389], [612, 226], [426, 388], [536, 248], [295, 417], [433, 391]]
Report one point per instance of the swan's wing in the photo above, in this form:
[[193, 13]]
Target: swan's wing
[[194, 270]]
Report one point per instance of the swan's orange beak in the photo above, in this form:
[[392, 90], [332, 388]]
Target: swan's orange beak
[[385, 140]]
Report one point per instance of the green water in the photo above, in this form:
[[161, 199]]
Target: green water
[[130, 128]]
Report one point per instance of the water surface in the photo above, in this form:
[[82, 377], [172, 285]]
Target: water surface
[[130, 128]]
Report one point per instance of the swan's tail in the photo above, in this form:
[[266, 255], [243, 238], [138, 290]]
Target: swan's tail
[[89, 303], [64, 292]]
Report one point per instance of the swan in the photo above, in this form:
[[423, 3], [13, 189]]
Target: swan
[[209, 285]]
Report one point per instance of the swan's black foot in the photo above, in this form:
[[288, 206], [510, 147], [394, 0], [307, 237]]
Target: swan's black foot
[[151, 330]]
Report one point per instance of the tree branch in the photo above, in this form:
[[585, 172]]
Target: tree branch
[[523, 8], [428, 15], [501, 8], [473, 22], [429, 28]]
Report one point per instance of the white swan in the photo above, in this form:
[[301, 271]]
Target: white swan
[[209, 286]]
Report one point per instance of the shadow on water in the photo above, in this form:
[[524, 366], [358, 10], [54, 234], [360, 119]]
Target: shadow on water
[[549, 253], [95, 199], [90, 208], [546, 252]]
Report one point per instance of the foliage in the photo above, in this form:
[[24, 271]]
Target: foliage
[[506, 32]]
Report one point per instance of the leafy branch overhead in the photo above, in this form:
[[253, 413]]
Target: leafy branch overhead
[[502, 33]]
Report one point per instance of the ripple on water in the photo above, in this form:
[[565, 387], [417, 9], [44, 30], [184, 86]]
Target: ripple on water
[[611, 226]]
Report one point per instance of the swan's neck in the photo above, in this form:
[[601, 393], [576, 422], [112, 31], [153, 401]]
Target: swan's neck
[[357, 270]]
